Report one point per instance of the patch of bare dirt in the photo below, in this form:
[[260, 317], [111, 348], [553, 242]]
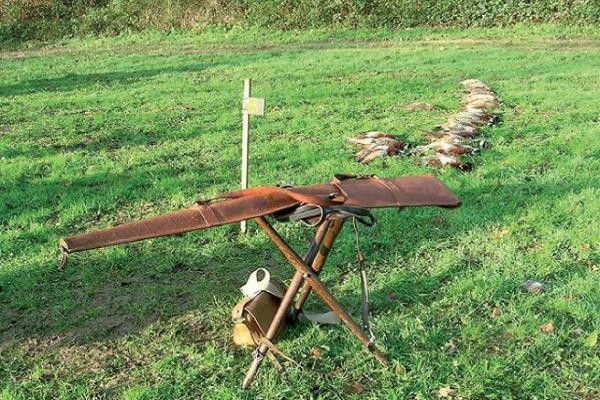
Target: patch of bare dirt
[[419, 106], [105, 315], [577, 44], [107, 364], [5, 128]]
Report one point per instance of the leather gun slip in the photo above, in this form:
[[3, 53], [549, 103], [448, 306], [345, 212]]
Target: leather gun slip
[[360, 192]]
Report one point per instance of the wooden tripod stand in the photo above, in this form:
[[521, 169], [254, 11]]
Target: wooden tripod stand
[[307, 277]]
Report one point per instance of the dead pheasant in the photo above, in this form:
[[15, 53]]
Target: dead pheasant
[[442, 160], [376, 144], [458, 128], [445, 136], [448, 143], [447, 148], [458, 137]]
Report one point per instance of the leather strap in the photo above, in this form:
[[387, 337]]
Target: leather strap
[[338, 178], [274, 191], [258, 339], [275, 350], [313, 215], [364, 289], [394, 190], [237, 314], [326, 318]]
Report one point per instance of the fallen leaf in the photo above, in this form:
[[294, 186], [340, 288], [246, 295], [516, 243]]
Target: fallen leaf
[[533, 287], [398, 368], [592, 339], [419, 106], [450, 347], [500, 233], [47, 375], [315, 352], [344, 274], [353, 388], [445, 392], [391, 296], [437, 220], [496, 312], [547, 327], [576, 332], [590, 265]]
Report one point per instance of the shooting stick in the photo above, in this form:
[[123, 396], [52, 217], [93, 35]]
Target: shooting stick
[[315, 257]]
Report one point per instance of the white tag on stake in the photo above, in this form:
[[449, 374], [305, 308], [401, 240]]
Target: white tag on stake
[[254, 105]]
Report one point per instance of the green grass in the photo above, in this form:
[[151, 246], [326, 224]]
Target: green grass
[[99, 132]]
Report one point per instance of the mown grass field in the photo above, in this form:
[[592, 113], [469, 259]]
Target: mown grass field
[[103, 131]]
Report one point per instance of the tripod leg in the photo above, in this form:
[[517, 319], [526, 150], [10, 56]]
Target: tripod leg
[[319, 260], [286, 302], [262, 349], [319, 288], [313, 253]]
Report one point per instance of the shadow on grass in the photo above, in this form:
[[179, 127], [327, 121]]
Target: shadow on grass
[[131, 289], [74, 81]]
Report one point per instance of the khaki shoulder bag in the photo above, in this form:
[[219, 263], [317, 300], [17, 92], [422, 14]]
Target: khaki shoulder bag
[[253, 315]]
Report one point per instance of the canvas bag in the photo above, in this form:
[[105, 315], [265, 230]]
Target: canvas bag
[[253, 315]]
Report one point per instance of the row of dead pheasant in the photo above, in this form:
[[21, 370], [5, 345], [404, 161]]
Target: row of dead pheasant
[[459, 136]]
